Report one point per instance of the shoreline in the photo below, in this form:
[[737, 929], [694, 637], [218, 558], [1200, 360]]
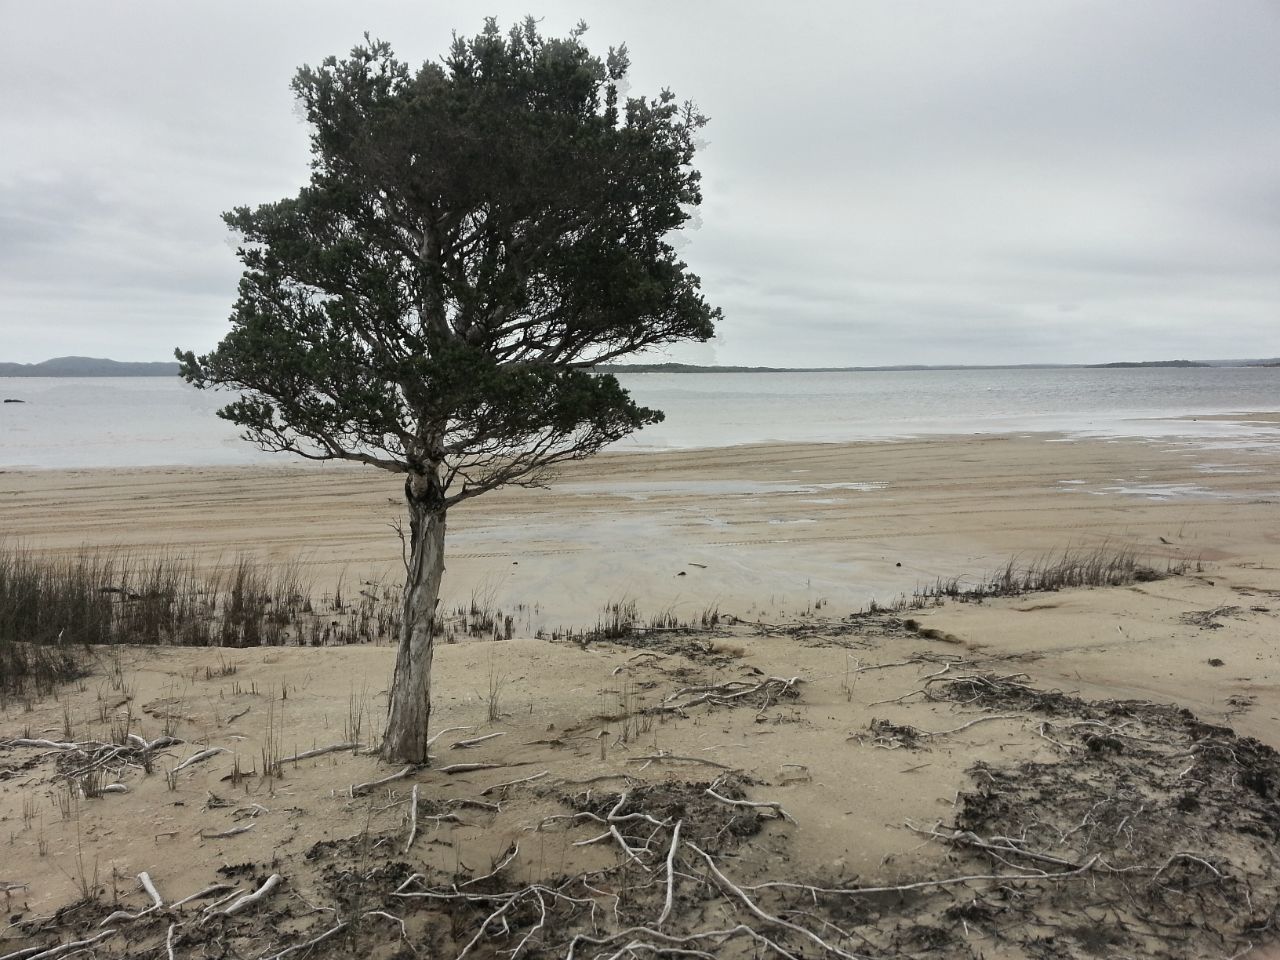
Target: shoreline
[[1254, 426], [758, 528]]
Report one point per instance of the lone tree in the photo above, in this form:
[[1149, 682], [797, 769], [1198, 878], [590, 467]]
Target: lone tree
[[474, 237]]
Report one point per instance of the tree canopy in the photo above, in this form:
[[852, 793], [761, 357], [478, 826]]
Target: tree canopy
[[475, 236]]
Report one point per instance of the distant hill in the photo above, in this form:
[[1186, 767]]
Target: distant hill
[[1148, 363], [88, 367]]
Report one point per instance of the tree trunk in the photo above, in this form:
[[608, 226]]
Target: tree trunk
[[409, 709]]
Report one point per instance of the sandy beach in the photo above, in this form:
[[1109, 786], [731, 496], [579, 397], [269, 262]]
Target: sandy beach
[[755, 529], [879, 734]]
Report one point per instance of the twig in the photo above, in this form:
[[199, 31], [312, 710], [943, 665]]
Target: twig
[[356, 789]]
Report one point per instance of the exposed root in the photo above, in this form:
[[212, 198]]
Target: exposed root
[[359, 789]]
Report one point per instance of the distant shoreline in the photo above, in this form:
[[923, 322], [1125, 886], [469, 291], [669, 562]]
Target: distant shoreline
[[88, 367]]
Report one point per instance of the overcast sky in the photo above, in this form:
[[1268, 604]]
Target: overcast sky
[[885, 182]]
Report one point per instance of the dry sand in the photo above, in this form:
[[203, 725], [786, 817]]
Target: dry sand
[[791, 540]]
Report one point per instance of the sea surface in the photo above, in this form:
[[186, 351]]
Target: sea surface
[[157, 421]]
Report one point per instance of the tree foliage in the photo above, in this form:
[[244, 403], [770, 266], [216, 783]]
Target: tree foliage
[[474, 237]]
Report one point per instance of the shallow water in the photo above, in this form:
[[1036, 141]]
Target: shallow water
[[160, 421]]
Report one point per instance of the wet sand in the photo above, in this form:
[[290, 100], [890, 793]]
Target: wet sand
[[757, 529]]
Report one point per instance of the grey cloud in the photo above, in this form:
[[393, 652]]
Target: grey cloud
[[885, 183]]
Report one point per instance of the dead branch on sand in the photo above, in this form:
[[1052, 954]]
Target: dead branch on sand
[[199, 758]]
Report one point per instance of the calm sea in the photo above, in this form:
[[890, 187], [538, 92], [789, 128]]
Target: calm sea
[[158, 421]]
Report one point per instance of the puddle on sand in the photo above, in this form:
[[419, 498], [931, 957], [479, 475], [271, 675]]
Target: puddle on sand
[[644, 489], [1166, 491], [1224, 468]]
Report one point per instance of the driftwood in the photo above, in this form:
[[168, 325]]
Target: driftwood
[[199, 758], [319, 752]]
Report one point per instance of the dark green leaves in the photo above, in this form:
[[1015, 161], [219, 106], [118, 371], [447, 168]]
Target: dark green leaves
[[473, 235]]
